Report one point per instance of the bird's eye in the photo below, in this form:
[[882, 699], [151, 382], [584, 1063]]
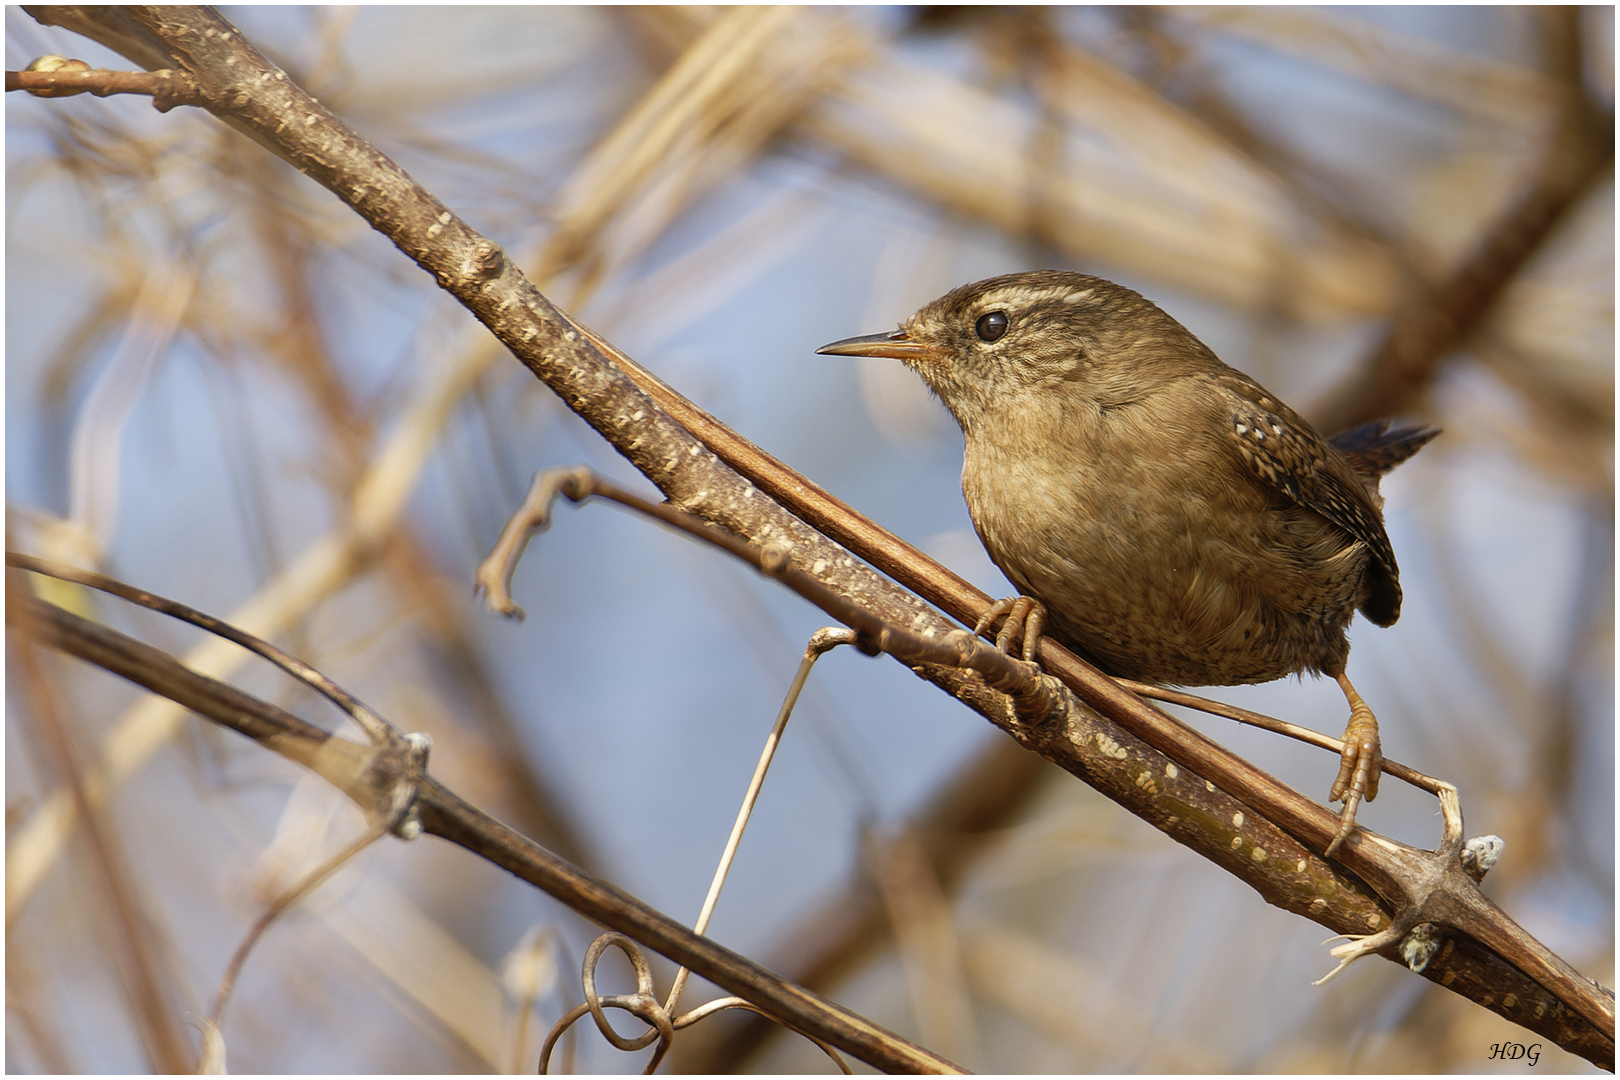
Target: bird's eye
[[990, 327]]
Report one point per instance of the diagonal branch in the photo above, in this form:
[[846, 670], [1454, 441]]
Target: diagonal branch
[[354, 769], [1200, 794]]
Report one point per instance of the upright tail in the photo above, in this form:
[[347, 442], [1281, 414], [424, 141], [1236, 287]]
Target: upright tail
[[1373, 450]]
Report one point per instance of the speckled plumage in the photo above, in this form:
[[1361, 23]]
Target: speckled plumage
[[1180, 524]]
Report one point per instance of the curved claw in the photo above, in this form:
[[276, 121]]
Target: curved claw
[[1361, 763], [1347, 823], [995, 611], [1022, 618]]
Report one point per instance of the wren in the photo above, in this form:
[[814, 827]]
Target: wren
[[1177, 523]]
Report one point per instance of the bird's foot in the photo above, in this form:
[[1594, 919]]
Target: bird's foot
[[1361, 762], [1022, 617]]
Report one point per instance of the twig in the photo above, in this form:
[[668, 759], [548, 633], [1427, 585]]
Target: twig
[[644, 1006], [1022, 681], [1425, 887], [401, 754], [849, 927], [662, 1020], [167, 89], [376, 728], [148, 984], [446, 815], [273, 910], [1281, 727], [821, 642], [242, 87]]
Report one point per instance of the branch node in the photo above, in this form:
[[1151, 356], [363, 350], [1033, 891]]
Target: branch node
[[1481, 853], [1419, 947], [775, 557], [407, 816], [827, 639], [485, 262]]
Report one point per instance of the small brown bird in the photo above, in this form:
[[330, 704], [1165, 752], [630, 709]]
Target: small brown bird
[[1179, 524]]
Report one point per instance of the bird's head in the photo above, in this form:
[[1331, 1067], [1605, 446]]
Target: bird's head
[[1022, 340]]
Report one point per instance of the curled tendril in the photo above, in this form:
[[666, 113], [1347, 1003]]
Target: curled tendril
[[644, 1005]]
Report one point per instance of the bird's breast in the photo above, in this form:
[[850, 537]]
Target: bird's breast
[[1170, 565]]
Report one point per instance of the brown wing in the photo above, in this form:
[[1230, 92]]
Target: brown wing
[[1287, 453]]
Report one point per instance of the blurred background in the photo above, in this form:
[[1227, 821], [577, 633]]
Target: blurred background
[[223, 387]]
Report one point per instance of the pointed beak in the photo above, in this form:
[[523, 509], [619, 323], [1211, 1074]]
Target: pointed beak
[[895, 345]]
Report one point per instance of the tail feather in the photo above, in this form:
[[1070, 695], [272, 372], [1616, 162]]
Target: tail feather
[[1373, 450]]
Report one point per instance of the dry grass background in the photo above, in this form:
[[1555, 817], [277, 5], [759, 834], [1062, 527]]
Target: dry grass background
[[222, 387]]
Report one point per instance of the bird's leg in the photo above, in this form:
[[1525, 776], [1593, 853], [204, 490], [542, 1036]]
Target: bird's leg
[[1361, 762], [1025, 618]]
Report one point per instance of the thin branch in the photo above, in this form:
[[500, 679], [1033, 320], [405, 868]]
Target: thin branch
[[167, 89], [1436, 887], [1032, 698], [278, 905], [1280, 727], [447, 815], [376, 728], [240, 85], [821, 642], [847, 929], [148, 984], [1256, 789]]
